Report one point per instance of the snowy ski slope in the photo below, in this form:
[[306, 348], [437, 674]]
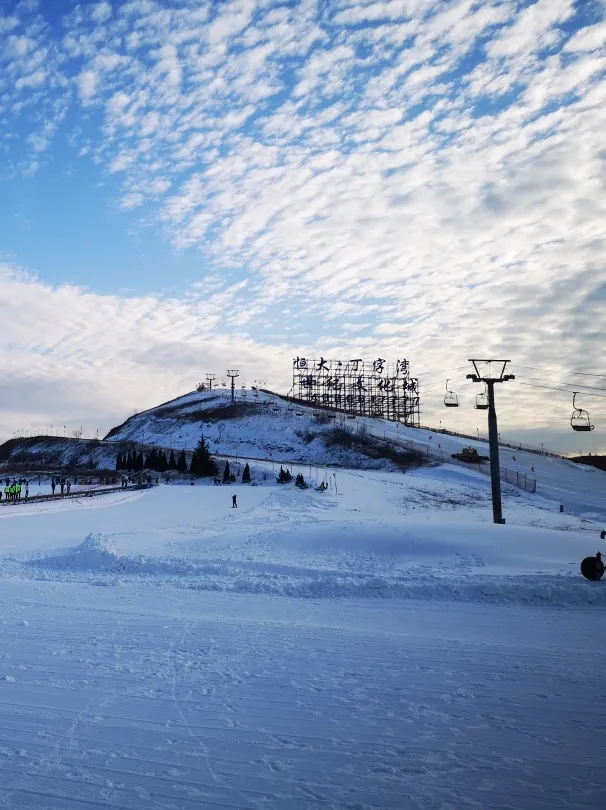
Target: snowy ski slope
[[378, 645]]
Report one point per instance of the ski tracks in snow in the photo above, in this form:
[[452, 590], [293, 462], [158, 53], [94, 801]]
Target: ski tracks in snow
[[176, 701]]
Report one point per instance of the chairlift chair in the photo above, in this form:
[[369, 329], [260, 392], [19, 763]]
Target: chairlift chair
[[580, 418], [482, 401], [451, 400], [298, 413]]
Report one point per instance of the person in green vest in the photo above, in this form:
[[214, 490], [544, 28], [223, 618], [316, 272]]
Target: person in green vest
[[18, 489]]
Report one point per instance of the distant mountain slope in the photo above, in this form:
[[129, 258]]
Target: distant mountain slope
[[55, 452]]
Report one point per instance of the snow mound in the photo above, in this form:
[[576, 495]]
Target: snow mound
[[95, 553]]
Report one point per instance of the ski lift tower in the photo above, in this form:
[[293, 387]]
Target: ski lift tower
[[232, 373], [210, 378], [483, 372]]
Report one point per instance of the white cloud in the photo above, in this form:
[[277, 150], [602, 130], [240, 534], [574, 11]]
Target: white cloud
[[87, 85], [110, 355], [433, 169], [591, 38], [35, 79], [535, 27], [101, 12]]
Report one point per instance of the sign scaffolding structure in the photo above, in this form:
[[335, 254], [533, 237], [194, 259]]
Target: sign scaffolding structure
[[364, 388]]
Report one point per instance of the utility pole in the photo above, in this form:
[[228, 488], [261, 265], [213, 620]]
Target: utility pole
[[486, 376], [232, 373], [210, 378]]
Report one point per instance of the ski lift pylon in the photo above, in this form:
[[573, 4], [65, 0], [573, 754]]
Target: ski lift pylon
[[580, 418], [451, 400]]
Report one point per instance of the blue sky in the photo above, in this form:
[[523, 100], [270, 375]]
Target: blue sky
[[190, 185]]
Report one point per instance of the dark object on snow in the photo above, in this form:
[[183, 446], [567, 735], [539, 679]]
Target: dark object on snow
[[284, 476], [471, 455], [593, 567], [234, 502]]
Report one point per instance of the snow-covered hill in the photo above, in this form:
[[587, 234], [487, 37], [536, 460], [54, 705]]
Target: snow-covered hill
[[266, 426], [261, 426]]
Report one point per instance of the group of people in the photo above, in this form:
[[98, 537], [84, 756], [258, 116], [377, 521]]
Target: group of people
[[14, 488], [64, 484]]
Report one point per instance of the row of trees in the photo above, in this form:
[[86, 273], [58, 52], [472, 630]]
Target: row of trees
[[202, 464], [154, 460]]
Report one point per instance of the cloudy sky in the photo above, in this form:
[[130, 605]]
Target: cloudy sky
[[191, 185]]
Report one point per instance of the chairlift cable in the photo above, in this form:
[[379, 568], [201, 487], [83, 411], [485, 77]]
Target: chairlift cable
[[557, 382], [563, 390], [434, 373], [570, 373]]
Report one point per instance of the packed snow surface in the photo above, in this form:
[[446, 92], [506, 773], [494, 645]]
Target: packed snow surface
[[380, 644]]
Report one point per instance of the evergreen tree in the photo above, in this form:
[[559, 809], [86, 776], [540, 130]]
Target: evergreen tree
[[182, 462], [172, 462], [139, 463], [246, 474], [129, 464], [300, 482], [147, 464], [119, 462], [162, 462], [284, 477], [226, 473], [202, 463]]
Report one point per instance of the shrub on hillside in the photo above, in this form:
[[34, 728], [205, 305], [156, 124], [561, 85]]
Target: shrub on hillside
[[306, 435], [300, 482], [341, 436], [284, 476]]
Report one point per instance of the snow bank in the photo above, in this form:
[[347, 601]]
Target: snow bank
[[356, 561]]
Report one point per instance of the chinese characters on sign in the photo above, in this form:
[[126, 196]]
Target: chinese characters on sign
[[376, 388]]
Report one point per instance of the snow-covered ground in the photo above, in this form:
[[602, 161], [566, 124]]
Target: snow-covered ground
[[378, 645], [579, 488]]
